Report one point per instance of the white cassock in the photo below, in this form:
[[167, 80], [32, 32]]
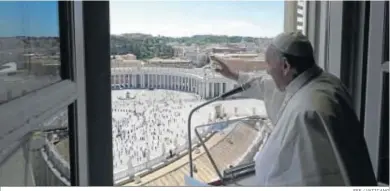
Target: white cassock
[[299, 151]]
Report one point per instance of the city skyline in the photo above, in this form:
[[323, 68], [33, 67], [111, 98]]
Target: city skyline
[[167, 18], [188, 18]]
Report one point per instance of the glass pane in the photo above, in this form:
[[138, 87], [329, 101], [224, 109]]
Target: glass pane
[[386, 33], [40, 158], [29, 47], [160, 71], [383, 169]]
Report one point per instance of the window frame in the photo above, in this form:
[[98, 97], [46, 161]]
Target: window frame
[[97, 89], [24, 114], [73, 41], [318, 32], [360, 55], [372, 118]]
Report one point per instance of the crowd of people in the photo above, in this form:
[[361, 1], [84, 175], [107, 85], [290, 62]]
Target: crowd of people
[[149, 124]]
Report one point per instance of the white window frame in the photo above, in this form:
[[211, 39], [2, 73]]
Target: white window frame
[[79, 78], [316, 27], [334, 50], [372, 121]]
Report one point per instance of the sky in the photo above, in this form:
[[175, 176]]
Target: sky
[[187, 18], [167, 18], [28, 18]]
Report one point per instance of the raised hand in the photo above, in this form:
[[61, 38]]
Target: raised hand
[[223, 69]]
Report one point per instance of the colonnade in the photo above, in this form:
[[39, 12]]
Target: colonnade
[[181, 82]]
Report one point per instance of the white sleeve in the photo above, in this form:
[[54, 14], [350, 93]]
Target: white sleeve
[[257, 89], [263, 89]]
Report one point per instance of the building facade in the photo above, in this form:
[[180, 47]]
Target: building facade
[[301, 15], [198, 81], [294, 16], [169, 63]]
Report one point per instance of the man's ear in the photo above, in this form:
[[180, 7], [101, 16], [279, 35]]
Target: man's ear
[[286, 66]]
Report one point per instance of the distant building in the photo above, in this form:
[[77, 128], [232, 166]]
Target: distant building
[[175, 63], [244, 62], [117, 63], [294, 16], [45, 68], [250, 47], [43, 65], [227, 50], [245, 65], [301, 15], [183, 51], [178, 51], [125, 57], [197, 59], [241, 56]]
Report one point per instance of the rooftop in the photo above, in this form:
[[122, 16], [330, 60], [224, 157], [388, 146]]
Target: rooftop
[[175, 60]]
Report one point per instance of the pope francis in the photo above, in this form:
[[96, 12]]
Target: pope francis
[[317, 139]]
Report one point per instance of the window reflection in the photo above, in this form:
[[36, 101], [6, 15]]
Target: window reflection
[[40, 158], [29, 47]]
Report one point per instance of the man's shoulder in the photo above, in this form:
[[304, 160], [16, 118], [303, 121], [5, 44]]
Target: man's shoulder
[[325, 93]]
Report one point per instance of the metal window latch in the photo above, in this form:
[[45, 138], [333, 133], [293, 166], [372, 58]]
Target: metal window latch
[[385, 67]]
